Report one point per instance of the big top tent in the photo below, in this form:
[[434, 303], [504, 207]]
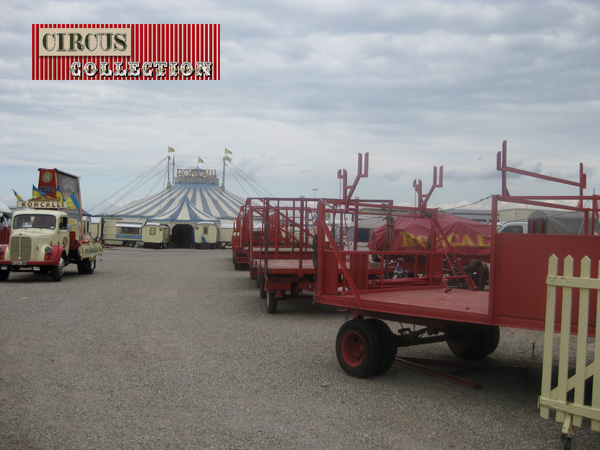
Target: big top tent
[[190, 199]]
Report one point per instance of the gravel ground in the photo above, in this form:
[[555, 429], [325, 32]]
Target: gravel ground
[[173, 349]]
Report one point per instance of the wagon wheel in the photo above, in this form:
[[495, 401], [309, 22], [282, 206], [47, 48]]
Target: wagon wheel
[[4, 275], [271, 303], [358, 348], [388, 345], [474, 341]]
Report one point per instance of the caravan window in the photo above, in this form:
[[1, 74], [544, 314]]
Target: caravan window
[[129, 230]]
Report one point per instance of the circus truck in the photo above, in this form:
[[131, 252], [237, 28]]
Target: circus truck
[[48, 231]]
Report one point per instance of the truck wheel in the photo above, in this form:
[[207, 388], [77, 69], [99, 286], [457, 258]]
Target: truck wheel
[[87, 266], [4, 275], [271, 303], [474, 341], [358, 348], [57, 272], [388, 345]]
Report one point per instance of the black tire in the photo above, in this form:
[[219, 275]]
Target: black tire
[[87, 266], [388, 346], [474, 341], [57, 272], [4, 275], [358, 348], [271, 303]]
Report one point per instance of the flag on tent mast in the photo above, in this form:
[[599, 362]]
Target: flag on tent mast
[[170, 173], [200, 160], [225, 158]]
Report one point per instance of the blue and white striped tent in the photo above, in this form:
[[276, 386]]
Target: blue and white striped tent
[[183, 212], [190, 200]]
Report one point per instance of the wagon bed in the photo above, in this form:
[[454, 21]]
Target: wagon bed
[[434, 303]]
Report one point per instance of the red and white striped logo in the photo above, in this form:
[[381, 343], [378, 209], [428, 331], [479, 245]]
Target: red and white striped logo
[[125, 52]]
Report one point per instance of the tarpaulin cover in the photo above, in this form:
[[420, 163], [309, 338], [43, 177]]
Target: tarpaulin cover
[[561, 222], [466, 237]]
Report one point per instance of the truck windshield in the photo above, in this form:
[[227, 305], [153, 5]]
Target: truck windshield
[[34, 221]]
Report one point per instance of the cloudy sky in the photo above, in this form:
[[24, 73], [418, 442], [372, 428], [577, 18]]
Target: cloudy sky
[[306, 86]]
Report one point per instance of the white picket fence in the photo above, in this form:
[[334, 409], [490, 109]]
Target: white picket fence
[[571, 409]]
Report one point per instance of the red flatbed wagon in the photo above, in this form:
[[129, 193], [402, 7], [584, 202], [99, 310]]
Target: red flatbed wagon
[[248, 234], [285, 263], [467, 319]]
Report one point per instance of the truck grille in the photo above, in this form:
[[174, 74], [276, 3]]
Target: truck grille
[[20, 248]]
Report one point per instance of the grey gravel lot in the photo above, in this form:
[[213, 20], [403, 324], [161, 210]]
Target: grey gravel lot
[[173, 349]]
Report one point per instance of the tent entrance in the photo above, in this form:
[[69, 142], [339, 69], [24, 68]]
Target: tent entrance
[[182, 236]]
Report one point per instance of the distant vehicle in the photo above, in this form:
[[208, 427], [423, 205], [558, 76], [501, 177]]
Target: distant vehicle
[[127, 234], [155, 235], [206, 234], [514, 227], [225, 234]]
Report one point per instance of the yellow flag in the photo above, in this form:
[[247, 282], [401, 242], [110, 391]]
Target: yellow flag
[[227, 158], [228, 152], [171, 149], [200, 159]]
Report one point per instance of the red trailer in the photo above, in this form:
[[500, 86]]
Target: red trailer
[[248, 235], [285, 262], [240, 239], [467, 319]]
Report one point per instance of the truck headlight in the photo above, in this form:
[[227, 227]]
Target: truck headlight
[[48, 249]]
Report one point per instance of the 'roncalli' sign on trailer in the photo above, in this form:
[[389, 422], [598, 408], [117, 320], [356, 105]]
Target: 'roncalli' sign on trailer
[[412, 233], [125, 52]]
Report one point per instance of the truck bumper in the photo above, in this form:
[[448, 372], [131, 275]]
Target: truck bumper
[[25, 265]]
